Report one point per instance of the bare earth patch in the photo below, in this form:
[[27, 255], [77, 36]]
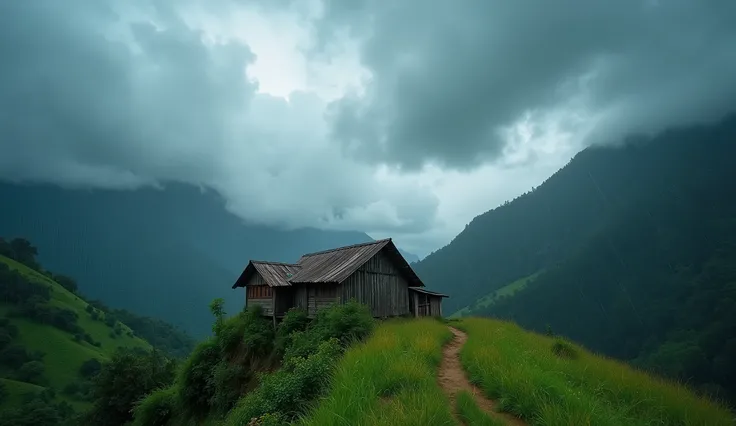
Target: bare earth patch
[[452, 379]]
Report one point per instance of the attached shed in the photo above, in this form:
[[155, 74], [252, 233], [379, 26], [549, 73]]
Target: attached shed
[[425, 303], [375, 274]]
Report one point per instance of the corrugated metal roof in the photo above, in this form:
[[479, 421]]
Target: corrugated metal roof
[[431, 293], [334, 266], [275, 274], [329, 266]]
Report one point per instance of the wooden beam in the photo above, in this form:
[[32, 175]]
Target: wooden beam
[[273, 305]]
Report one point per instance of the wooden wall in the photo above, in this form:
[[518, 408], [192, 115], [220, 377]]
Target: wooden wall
[[379, 285], [435, 304], [265, 303], [284, 299]]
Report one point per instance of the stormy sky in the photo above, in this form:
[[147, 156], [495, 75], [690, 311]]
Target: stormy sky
[[402, 119]]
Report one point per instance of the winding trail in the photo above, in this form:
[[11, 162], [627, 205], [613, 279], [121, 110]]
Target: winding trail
[[452, 379]]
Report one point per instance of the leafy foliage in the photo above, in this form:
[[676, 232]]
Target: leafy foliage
[[196, 387], [288, 390], [157, 409], [125, 380]]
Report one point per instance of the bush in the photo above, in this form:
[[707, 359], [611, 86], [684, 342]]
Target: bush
[[295, 320], [229, 382], [347, 323], [196, 379], [32, 372], [90, 368], [289, 390], [14, 356], [564, 349], [156, 409], [123, 381], [3, 392]]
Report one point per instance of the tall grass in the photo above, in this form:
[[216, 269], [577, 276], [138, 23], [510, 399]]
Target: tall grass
[[471, 414], [549, 381], [391, 379]]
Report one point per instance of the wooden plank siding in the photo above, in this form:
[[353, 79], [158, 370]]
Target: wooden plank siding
[[379, 285], [266, 302]]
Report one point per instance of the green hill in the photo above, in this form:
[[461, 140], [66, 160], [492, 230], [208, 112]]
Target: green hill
[[494, 373], [48, 333]]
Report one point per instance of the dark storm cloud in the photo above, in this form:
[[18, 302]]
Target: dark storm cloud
[[446, 76], [121, 93], [99, 92]]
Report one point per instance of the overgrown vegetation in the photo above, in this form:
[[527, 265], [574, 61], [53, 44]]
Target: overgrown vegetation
[[391, 379], [250, 372], [554, 382]]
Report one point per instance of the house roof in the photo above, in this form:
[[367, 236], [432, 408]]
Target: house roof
[[425, 291], [336, 265], [328, 266], [275, 274]]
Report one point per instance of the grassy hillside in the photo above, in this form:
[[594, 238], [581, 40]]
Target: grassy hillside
[[63, 351], [391, 379]]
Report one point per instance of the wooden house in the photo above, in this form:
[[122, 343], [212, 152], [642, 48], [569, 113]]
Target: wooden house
[[374, 274]]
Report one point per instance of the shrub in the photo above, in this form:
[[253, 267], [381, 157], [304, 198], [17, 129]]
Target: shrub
[[32, 372], [229, 382], [290, 388], [564, 349], [123, 381], [156, 409], [3, 392], [196, 379], [347, 323], [295, 320], [90, 368], [14, 356]]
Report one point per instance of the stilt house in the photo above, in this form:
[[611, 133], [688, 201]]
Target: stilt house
[[375, 274]]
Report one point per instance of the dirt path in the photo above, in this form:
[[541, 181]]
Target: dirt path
[[452, 379]]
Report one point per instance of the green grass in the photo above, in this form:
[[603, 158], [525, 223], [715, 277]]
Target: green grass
[[491, 298], [16, 390], [391, 379], [549, 381], [63, 356], [469, 412]]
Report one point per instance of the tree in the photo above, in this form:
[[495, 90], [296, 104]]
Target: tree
[[24, 252], [123, 381], [66, 282], [32, 372], [90, 368]]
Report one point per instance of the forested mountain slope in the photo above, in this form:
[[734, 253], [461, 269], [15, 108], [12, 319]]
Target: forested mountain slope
[[545, 225], [638, 250], [162, 253]]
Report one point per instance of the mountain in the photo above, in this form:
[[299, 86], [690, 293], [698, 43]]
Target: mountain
[[628, 250], [161, 253], [51, 340], [410, 257]]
